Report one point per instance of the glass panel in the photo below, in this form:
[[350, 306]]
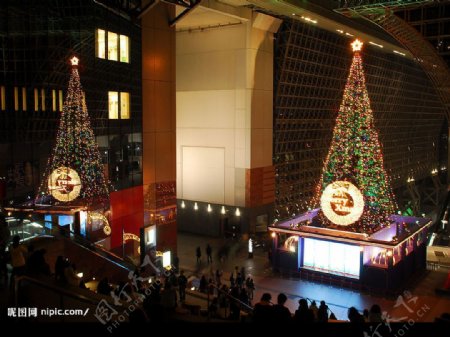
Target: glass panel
[[100, 49], [113, 100], [112, 46], [124, 49], [124, 105]]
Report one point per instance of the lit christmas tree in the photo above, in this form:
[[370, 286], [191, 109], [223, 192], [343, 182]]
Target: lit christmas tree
[[354, 190], [74, 171]]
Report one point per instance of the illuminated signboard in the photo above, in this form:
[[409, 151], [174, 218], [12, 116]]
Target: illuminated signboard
[[331, 257], [64, 184], [342, 203], [94, 218]]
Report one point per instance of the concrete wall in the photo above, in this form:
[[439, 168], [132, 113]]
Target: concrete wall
[[224, 96]]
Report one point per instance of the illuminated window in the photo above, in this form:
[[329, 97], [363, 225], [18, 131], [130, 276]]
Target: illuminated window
[[124, 105], [61, 101], [118, 101], [24, 99], [3, 97], [113, 100], [16, 99], [53, 100], [124, 48], [43, 99], [118, 46], [36, 100], [100, 49], [112, 46]]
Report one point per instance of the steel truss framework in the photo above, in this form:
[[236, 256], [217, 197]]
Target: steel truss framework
[[311, 69], [433, 22]]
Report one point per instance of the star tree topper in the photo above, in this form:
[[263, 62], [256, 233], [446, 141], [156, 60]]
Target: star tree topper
[[74, 60], [357, 45]]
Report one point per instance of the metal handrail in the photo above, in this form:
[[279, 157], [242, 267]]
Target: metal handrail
[[62, 232], [59, 290]]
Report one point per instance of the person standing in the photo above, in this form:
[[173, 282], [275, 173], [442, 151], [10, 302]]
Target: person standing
[[198, 253], [5, 236], [182, 283], [18, 257], [209, 253], [250, 285], [281, 314]]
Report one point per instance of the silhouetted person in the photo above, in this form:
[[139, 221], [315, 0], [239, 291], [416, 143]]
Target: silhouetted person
[[243, 296], [375, 315], [36, 264], [153, 308], [209, 253], [5, 236], [281, 314], [3, 265], [263, 310], [169, 300], [322, 313], [59, 269], [182, 283], [313, 307], [103, 287], [303, 314], [234, 305], [18, 257], [366, 315], [70, 275], [203, 284], [218, 278], [214, 308], [239, 280], [198, 253], [354, 316], [250, 285]]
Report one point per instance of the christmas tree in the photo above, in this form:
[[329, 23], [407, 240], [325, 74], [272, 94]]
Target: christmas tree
[[74, 172], [354, 167]]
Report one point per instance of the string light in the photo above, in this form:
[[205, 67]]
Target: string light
[[355, 154], [76, 147]]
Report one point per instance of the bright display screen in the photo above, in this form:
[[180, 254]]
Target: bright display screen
[[331, 257]]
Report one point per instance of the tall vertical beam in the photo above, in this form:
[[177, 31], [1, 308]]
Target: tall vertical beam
[[158, 126]]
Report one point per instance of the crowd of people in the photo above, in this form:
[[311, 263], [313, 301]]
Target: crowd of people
[[266, 311], [228, 299]]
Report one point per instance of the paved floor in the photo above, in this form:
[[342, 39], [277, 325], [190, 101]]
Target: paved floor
[[420, 303]]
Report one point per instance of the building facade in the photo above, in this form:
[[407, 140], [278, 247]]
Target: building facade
[[36, 40]]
